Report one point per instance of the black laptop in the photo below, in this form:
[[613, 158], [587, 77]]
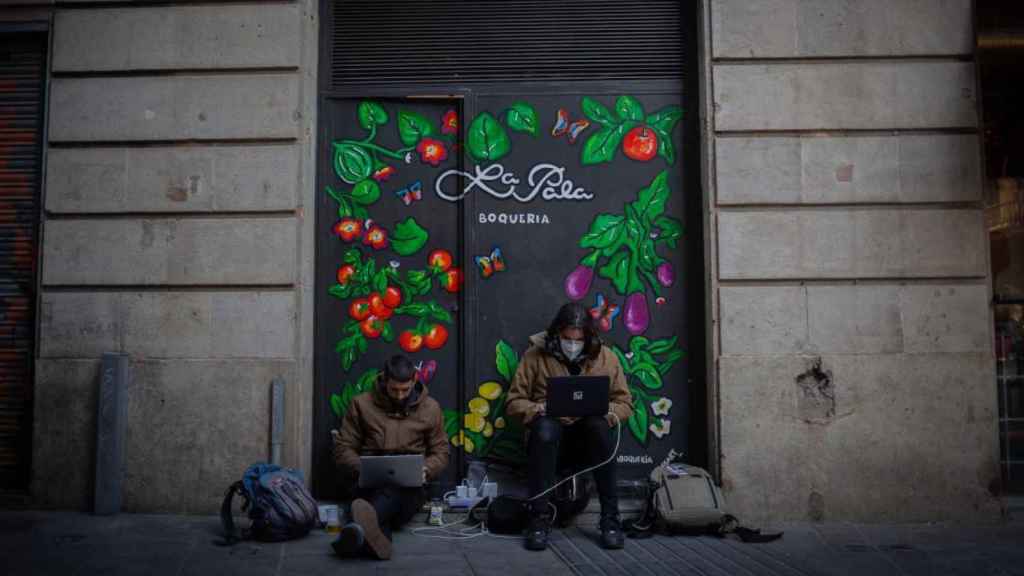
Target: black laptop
[[577, 396]]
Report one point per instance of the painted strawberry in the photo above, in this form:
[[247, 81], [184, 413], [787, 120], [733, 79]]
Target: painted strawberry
[[410, 341], [452, 280], [440, 260], [345, 274], [436, 337], [372, 327], [378, 308], [392, 297], [376, 237], [349, 229], [359, 309], [432, 151]]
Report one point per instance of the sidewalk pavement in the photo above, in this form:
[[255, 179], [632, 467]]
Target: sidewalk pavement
[[68, 543]]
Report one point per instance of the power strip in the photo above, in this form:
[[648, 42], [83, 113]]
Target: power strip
[[456, 502]]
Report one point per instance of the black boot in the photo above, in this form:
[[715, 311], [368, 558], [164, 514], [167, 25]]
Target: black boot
[[611, 532], [350, 541], [537, 533]]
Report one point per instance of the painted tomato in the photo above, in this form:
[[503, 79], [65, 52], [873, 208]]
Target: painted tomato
[[372, 327], [436, 337], [359, 309], [452, 280], [376, 237], [345, 274], [349, 229], [378, 308], [392, 297], [440, 260], [640, 143], [410, 341]]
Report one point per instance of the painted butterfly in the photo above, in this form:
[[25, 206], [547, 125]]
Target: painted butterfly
[[491, 264], [604, 312], [411, 193], [562, 126], [425, 371]]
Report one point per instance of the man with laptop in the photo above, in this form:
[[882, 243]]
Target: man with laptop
[[392, 441], [570, 389]]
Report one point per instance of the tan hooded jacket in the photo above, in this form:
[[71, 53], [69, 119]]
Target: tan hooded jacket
[[374, 424], [528, 393]]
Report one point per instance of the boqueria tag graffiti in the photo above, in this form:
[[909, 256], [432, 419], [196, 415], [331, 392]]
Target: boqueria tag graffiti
[[547, 180]]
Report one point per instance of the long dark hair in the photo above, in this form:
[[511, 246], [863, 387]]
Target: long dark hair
[[575, 315]]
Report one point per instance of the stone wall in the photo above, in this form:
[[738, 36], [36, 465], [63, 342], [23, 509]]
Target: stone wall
[[180, 148], [851, 276]]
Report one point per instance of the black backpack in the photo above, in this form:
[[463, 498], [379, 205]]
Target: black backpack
[[279, 505]]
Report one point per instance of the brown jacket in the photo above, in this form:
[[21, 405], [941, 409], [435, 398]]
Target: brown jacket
[[529, 386], [373, 424]]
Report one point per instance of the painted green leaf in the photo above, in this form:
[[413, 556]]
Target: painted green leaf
[[666, 365], [648, 375], [487, 139], [617, 270], [451, 423], [647, 258], [604, 231], [522, 117], [650, 202], [438, 312], [597, 112], [629, 108], [626, 366], [664, 120], [408, 237], [336, 406], [638, 422], [659, 347], [352, 256], [359, 213], [669, 230], [419, 280], [638, 344], [506, 360], [371, 114], [339, 291], [333, 193], [412, 127], [344, 207], [666, 149], [366, 192], [601, 145], [387, 333], [380, 280], [352, 163]]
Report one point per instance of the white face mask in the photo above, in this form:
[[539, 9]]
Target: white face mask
[[571, 348]]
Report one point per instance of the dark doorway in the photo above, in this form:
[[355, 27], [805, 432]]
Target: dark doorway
[[22, 85]]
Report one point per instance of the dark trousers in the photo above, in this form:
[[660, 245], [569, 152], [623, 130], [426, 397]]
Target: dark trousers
[[589, 439], [395, 506]]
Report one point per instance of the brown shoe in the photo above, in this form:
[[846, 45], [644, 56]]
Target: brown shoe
[[364, 515]]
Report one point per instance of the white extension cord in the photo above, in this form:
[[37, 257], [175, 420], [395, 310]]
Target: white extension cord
[[447, 534]]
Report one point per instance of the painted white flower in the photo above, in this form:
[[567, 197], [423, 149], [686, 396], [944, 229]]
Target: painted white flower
[[408, 157], [661, 428], [629, 355], [661, 406], [394, 263]]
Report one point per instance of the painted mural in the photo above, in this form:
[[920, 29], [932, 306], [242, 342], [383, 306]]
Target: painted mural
[[583, 211]]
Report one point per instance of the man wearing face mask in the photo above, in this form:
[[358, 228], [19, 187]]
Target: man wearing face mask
[[570, 346]]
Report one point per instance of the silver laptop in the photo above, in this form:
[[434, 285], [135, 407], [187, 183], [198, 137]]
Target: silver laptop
[[404, 470]]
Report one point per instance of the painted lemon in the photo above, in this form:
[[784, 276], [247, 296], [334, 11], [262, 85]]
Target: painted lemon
[[490, 390], [488, 430], [457, 439], [473, 421], [499, 423], [467, 444], [479, 406]]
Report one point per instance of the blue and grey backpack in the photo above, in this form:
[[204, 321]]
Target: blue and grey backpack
[[279, 505]]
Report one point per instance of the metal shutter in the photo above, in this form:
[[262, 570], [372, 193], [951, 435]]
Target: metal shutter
[[467, 41], [22, 67]]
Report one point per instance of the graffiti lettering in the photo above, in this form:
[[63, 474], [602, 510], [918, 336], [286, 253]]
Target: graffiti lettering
[[506, 218], [548, 180]]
